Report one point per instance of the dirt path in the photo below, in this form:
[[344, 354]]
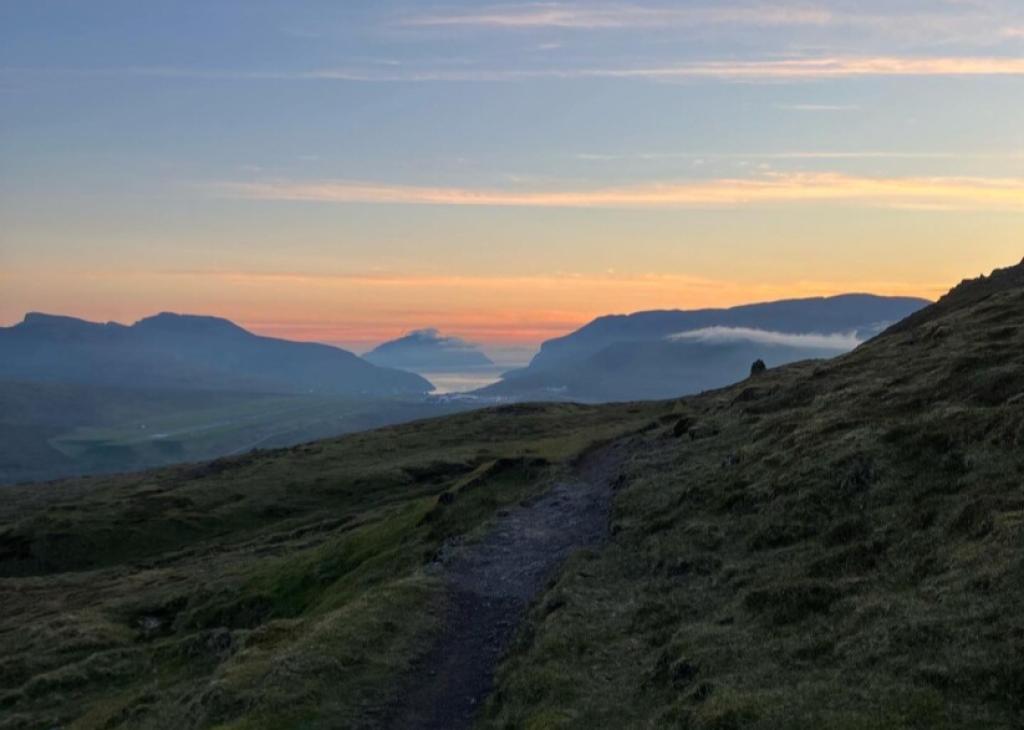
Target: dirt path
[[493, 582]]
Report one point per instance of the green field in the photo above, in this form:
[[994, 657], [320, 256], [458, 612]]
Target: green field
[[51, 431]]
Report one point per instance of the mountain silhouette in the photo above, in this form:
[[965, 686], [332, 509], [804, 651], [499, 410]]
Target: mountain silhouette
[[188, 352], [663, 354], [427, 350]]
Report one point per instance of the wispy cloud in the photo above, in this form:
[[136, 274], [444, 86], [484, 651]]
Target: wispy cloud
[[932, 193], [839, 342], [981, 23], [753, 71], [821, 68], [795, 155], [819, 107], [598, 15]]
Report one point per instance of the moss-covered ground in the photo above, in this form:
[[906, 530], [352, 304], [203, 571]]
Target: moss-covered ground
[[280, 589], [829, 545]]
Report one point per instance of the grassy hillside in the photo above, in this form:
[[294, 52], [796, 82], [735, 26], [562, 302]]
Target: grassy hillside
[[280, 589], [832, 544]]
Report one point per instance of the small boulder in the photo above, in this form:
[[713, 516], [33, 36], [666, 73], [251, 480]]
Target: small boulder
[[682, 427], [446, 498]]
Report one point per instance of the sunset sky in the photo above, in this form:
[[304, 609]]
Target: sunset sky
[[349, 171]]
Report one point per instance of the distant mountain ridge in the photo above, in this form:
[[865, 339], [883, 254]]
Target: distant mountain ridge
[[862, 314], [648, 354], [188, 352], [428, 350]]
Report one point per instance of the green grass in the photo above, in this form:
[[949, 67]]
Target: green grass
[[245, 593], [839, 545]]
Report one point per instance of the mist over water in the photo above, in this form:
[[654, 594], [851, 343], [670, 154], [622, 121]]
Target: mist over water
[[464, 381]]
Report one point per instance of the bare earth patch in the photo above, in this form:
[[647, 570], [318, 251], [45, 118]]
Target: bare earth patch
[[492, 582]]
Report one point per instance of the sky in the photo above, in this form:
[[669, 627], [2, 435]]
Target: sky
[[350, 171]]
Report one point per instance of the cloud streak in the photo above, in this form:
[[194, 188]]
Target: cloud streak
[[819, 107], [927, 193], [598, 16], [838, 342], [981, 23], [798, 155], [752, 71], [822, 68]]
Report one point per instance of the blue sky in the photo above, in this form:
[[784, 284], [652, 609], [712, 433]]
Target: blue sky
[[348, 171]]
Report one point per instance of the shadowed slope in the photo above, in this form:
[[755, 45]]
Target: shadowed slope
[[834, 544], [968, 292]]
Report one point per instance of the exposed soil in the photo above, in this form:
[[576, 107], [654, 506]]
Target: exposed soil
[[492, 582]]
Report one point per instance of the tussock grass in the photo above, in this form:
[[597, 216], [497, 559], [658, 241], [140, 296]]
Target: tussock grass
[[829, 545], [280, 589]]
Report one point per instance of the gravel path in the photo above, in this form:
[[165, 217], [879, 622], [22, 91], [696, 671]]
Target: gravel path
[[492, 582]]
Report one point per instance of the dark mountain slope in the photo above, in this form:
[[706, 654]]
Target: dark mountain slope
[[970, 291], [187, 352], [650, 370]]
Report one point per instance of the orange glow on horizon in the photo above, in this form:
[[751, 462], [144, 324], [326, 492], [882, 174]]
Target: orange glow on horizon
[[360, 311]]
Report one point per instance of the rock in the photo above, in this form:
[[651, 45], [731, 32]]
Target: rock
[[150, 626], [682, 427]]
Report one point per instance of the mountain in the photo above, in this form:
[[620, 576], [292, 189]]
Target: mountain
[[428, 351], [827, 544], [184, 352], [664, 354], [651, 370], [861, 314]]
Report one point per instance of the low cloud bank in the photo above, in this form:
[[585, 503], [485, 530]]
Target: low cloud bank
[[839, 342], [431, 336]]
